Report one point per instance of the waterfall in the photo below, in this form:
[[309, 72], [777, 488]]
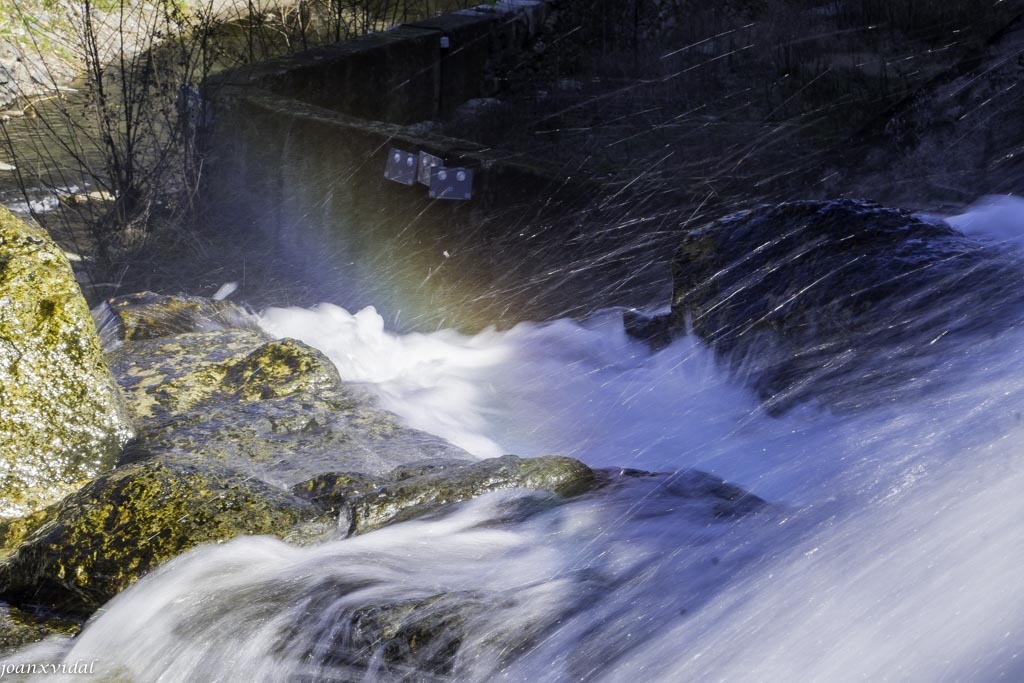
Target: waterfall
[[889, 548]]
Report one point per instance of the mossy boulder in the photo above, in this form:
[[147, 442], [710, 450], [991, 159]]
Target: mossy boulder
[[831, 299], [101, 539], [62, 420], [276, 409], [364, 504]]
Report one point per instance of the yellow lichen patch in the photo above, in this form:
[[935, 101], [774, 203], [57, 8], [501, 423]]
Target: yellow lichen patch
[[179, 372], [279, 368], [104, 537]]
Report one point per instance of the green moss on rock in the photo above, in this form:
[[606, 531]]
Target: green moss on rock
[[98, 541], [280, 368], [15, 529], [62, 420]]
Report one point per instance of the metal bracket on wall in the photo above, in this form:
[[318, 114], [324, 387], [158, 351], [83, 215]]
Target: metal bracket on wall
[[451, 183], [408, 168], [427, 163], [401, 167]]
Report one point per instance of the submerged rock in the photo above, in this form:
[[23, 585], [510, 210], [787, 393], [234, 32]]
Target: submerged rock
[[709, 495], [827, 299], [422, 635], [62, 420], [654, 330], [350, 628], [101, 539], [364, 504]]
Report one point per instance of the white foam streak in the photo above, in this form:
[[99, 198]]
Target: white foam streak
[[427, 379], [923, 589], [235, 608], [995, 217]]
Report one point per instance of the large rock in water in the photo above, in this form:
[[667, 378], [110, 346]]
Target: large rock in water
[[227, 418], [205, 384], [62, 420], [102, 538], [837, 299]]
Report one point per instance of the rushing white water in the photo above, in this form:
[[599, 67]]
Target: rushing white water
[[996, 217], [891, 549]]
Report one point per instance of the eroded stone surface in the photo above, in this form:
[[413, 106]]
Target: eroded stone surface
[[274, 408]]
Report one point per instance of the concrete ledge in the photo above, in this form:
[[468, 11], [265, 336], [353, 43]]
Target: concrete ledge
[[402, 75]]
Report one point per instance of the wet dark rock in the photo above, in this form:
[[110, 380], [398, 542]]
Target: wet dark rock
[[18, 628], [364, 504], [98, 541], [828, 299], [332, 490], [707, 495], [655, 331], [423, 635]]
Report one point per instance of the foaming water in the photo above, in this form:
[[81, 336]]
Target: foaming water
[[890, 549], [583, 389], [995, 217], [890, 552]]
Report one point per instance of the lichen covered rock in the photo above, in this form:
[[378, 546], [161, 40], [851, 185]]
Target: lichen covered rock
[[276, 409], [146, 315], [62, 420], [101, 539]]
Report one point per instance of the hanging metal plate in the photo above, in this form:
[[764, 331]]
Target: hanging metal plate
[[402, 167], [451, 183]]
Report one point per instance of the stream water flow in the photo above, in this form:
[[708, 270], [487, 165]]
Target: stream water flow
[[890, 548]]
